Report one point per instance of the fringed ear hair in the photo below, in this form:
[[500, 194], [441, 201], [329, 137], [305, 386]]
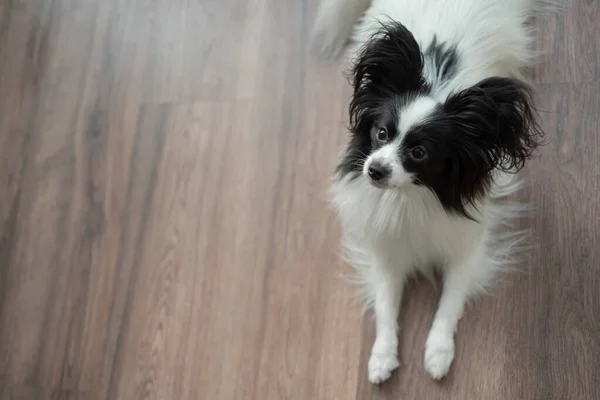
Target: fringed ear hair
[[498, 117], [389, 64], [496, 128]]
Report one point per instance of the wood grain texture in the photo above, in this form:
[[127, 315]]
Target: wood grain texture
[[164, 228], [569, 46]]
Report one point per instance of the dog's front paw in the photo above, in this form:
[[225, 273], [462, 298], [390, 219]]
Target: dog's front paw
[[439, 354], [381, 366]]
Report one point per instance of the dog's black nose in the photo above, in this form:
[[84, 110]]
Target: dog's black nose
[[378, 171]]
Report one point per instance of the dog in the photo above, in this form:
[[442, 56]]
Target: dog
[[441, 120]]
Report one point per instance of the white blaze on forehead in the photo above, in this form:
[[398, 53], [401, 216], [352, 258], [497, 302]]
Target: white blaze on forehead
[[415, 112], [386, 154]]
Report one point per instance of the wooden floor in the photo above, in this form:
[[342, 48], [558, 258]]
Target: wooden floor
[[164, 230]]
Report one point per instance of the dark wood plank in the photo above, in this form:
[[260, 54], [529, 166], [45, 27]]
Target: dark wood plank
[[244, 307], [569, 45], [35, 282], [562, 320], [16, 103], [33, 393], [63, 277]]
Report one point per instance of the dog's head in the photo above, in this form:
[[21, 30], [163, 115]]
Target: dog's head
[[401, 135]]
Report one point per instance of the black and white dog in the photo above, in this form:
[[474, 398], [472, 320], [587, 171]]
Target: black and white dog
[[441, 119]]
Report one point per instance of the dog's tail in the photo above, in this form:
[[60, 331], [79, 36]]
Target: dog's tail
[[334, 23]]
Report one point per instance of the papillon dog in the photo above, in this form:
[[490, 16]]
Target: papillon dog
[[441, 119]]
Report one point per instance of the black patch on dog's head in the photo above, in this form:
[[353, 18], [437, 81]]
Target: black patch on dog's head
[[491, 125], [386, 74], [443, 59]]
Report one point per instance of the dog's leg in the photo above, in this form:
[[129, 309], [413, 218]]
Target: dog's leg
[[459, 283], [387, 290], [334, 23]]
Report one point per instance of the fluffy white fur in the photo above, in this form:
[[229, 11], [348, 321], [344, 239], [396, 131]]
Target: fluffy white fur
[[391, 234]]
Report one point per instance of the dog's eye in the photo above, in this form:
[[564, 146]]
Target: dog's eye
[[418, 153], [382, 135]]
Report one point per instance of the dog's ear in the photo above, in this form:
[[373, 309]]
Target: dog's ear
[[495, 127], [389, 64], [497, 122]]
